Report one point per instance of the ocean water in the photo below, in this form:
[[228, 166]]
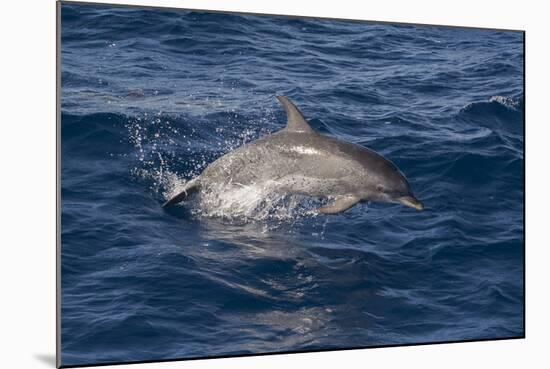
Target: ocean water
[[150, 97]]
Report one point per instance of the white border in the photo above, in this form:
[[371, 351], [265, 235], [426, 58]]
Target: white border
[[27, 152]]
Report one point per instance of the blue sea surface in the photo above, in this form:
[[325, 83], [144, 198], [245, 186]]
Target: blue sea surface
[[150, 97]]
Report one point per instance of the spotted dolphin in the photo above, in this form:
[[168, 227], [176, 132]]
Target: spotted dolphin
[[298, 160]]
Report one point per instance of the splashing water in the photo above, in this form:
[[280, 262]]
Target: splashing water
[[156, 139], [255, 202]]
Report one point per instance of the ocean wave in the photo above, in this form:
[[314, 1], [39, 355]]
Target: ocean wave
[[504, 107], [502, 114]]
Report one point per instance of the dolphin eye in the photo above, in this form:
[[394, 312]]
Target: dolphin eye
[[379, 188]]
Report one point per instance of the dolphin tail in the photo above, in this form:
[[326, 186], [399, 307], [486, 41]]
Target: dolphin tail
[[190, 187]]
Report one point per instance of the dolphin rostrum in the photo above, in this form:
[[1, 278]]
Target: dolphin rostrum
[[298, 160]]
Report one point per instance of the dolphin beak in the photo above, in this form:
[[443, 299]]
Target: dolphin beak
[[411, 202]]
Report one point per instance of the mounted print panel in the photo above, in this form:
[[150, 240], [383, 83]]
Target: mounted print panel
[[241, 184]]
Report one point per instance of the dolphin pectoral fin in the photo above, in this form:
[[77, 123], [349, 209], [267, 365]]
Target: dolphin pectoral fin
[[191, 187], [339, 205], [295, 120]]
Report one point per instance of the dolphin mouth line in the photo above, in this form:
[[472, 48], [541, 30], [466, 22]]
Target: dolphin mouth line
[[411, 202]]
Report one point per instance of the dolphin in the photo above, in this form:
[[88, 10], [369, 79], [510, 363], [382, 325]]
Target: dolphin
[[298, 160]]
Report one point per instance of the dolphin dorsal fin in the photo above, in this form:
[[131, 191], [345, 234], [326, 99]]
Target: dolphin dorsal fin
[[295, 120]]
